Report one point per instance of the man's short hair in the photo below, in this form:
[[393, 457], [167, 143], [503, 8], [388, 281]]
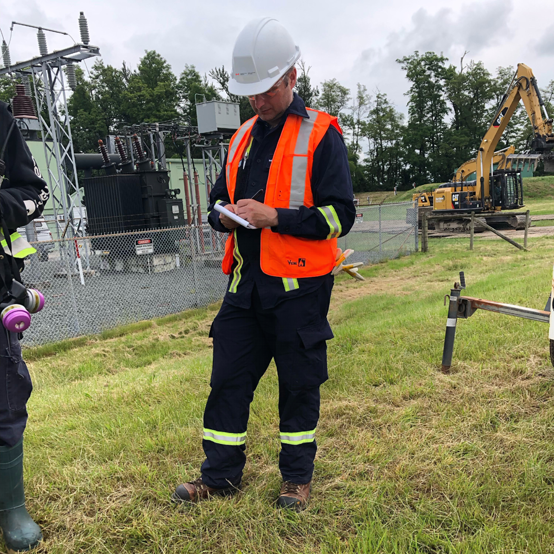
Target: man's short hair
[[286, 79]]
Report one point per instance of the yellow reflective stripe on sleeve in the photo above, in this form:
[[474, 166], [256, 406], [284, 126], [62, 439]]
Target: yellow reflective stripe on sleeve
[[20, 246], [238, 267], [13, 238], [219, 437], [217, 202], [290, 284], [298, 438], [25, 252], [330, 214]]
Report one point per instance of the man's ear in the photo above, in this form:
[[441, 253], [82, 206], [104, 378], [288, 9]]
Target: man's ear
[[293, 75]]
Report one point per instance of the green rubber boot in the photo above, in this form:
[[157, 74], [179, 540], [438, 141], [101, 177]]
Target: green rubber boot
[[21, 533]]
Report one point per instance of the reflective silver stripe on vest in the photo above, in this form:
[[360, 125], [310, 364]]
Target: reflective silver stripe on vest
[[300, 161], [243, 129], [21, 248]]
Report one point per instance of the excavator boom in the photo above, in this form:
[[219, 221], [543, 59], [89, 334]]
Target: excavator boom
[[523, 87]]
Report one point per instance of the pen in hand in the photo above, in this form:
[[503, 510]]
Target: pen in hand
[[258, 194]]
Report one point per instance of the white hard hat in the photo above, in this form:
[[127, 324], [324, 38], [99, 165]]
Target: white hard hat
[[263, 53]]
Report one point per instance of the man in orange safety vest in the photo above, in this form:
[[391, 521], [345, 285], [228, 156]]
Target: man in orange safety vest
[[287, 175]]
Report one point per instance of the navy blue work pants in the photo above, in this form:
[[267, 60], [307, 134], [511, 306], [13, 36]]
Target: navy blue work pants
[[15, 389], [245, 340]]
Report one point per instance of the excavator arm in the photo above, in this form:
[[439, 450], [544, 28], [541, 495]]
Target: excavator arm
[[500, 159], [523, 87]]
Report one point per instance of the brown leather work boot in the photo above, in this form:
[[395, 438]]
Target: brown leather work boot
[[193, 491], [294, 496]]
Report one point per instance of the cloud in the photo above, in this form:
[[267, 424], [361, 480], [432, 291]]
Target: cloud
[[545, 45], [473, 28]]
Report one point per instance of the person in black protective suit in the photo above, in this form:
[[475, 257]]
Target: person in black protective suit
[[265, 315], [23, 194]]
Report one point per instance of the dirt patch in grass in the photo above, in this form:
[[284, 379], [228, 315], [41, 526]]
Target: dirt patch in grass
[[348, 289]]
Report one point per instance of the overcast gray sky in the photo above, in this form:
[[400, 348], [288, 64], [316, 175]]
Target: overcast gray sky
[[353, 40]]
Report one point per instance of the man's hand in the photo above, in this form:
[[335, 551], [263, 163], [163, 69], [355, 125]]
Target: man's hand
[[258, 214], [227, 222]]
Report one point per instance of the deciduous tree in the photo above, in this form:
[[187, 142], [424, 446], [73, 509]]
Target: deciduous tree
[[194, 88], [333, 98], [304, 87], [385, 159], [426, 152]]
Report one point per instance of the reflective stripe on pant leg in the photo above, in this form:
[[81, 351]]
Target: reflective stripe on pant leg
[[219, 437], [301, 437], [298, 410], [241, 356]]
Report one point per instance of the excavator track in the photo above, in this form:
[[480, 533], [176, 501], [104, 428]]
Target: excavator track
[[505, 221], [458, 225]]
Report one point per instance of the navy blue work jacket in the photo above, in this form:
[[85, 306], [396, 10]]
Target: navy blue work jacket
[[331, 185]]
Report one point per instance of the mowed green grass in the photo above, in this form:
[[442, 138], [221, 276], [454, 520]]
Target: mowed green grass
[[536, 190], [410, 460]]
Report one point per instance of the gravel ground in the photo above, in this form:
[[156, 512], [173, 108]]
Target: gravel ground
[[109, 299]]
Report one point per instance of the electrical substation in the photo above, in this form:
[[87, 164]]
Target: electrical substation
[[125, 187]]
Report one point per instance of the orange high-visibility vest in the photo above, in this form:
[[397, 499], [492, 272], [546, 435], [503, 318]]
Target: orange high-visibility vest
[[288, 186]]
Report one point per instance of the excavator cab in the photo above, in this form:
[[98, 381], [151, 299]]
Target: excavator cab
[[507, 190]]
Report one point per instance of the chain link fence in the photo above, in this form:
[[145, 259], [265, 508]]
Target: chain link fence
[[98, 282], [382, 232]]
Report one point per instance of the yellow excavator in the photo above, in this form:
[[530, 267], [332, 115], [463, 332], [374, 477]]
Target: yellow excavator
[[496, 190], [467, 169]]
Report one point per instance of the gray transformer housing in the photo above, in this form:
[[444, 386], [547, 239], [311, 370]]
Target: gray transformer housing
[[215, 116], [131, 202]]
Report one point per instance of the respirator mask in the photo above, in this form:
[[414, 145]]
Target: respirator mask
[[18, 305]]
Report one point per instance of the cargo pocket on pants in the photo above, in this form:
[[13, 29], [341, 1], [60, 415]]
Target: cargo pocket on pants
[[18, 379], [313, 368]]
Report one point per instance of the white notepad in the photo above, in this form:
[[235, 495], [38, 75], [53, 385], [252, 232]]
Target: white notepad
[[221, 209]]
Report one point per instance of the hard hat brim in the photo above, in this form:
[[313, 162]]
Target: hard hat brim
[[259, 87]]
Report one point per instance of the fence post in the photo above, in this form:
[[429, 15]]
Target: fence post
[[64, 254], [498, 233], [415, 223], [380, 241], [194, 230], [527, 218], [471, 230], [424, 233]]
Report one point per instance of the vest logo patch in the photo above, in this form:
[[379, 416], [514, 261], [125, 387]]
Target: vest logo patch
[[300, 263]]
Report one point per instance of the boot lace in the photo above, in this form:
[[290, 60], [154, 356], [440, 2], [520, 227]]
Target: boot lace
[[291, 488], [199, 485]]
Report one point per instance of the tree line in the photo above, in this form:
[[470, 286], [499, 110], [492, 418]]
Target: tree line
[[449, 110]]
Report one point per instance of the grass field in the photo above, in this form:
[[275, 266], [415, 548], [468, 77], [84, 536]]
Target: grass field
[[535, 190], [410, 460]]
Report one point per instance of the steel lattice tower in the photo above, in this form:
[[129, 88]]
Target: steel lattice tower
[[49, 86]]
